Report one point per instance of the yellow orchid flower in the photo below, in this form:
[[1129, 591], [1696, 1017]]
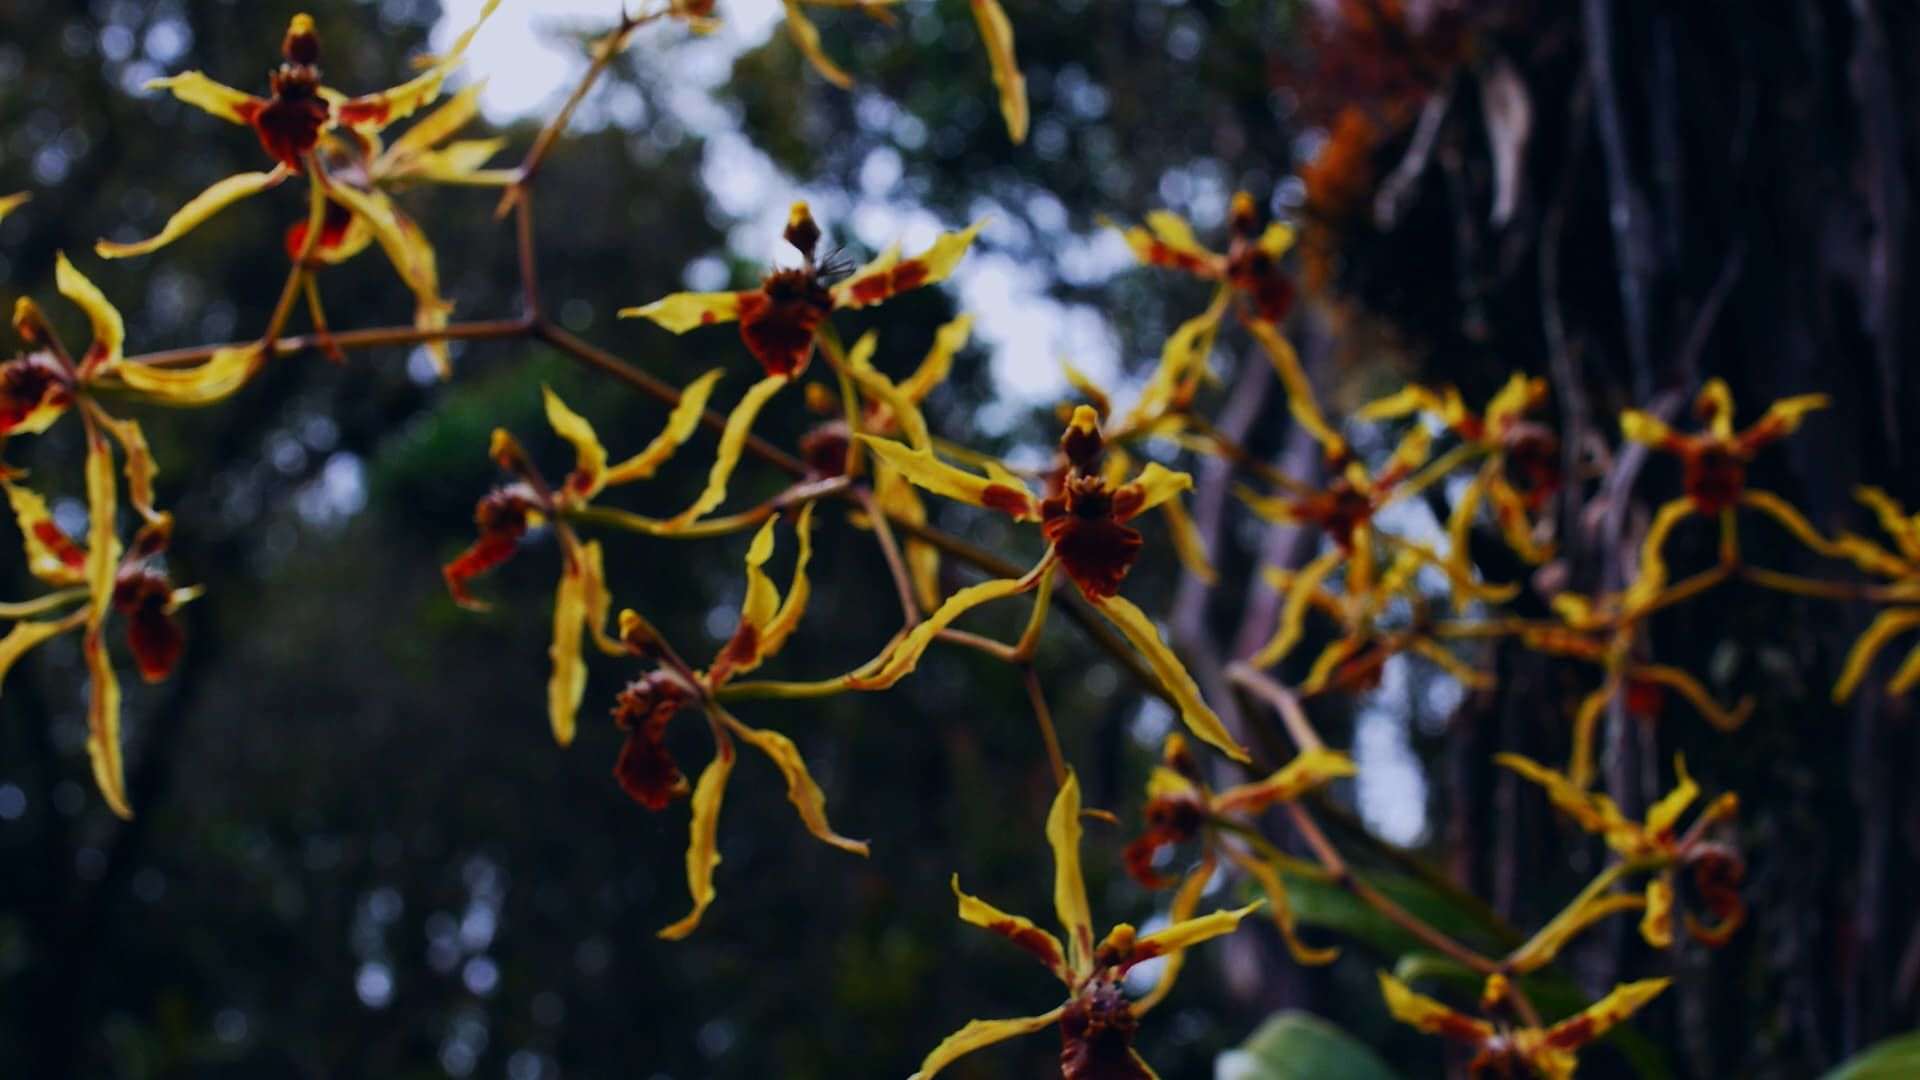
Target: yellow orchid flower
[[1502, 1049], [1096, 1022], [1900, 565]]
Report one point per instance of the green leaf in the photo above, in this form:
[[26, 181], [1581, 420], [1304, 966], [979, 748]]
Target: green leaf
[[1889, 1059], [1299, 1046]]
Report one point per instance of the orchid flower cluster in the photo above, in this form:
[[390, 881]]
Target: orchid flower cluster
[[1373, 593]]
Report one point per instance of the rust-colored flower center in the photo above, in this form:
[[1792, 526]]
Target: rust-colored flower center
[[1096, 1037], [290, 121], [1095, 549], [142, 595], [1171, 819], [1532, 462], [1715, 478], [645, 770], [824, 449], [777, 320], [1260, 280], [334, 222]]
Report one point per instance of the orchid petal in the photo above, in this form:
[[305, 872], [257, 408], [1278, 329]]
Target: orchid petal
[[1015, 928], [1069, 885], [702, 844], [219, 196], [1134, 625], [979, 1033], [997, 32]]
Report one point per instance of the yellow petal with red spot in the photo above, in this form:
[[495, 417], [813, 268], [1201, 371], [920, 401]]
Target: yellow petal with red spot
[[568, 681], [1069, 885], [682, 311], [1602, 1016], [1156, 484], [214, 379], [801, 790], [1005, 493], [681, 424], [979, 1033], [1018, 929], [806, 38], [109, 332], [1300, 591], [938, 363], [1427, 1015], [879, 280], [733, 440], [900, 660], [1134, 625], [52, 556], [997, 32], [1309, 770], [590, 458], [703, 840], [201, 92], [1187, 933], [222, 194], [1301, 402]]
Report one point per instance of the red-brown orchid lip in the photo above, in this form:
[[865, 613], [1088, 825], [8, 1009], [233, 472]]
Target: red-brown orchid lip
[[290, 121], [30, 382], [645, 770], [1082, 523], [502, 517], [142, 595], [777, 321], [334, 223], [1096, 1037], [1170, 820]]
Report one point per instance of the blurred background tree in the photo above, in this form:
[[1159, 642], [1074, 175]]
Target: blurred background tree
[[357, 850]]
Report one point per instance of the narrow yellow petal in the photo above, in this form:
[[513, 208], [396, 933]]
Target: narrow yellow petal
[[217, 98], [1656, 925], [703, 841], [1300, 591], [1185, 901], [733, 439], [1182, 359], [899, 661], [433, 128], [14, 202], [1134, 625], [1276, 889], [1190, 932], [997, 32], [1427, 1015], [1087, 388], [215, 379], [1308, 770], [802, 792], [590, 458], [938, 363], [1653, 565], [781, 626], [806, 38], [979, 1033], [1586, 722], [103, 725], [681, 423], [1594, 813], [1004, 493], [1069, 885], [1715, 402], [1541, 949], [1015, 928], [1187, 542], [1301, 402], [1885, 626], [1907, 674], [222, 194], [568, 682], [1647, 430], [1406, 401], [412, 256], [23, 636], [1276, 240], [1791, 520], [103, 560], [682, 311], [141, 467], [1696, 694], [109, 332], [1602, 1016], [1893, 519]]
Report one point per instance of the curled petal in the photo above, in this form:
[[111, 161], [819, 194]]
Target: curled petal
[[874, 282], [1087, 388], [1069, 886], [1309, 770], [1782, 418], [1662, 816], [1540, 949], [433, 129], [1300, 591], [1004, 492], [702, 843], [1893, 519], [1585, 722], [215, 379], [1155, 485], [412, 257], [1134, 625], [141, 468], [806, 38], [1885, 626], [1594, 813], [1907, 675], [1406, 401], [219, 196], [1425, 1014], [590, 458], [1790, 519], [1599, 1018], [103, 725], [1689, 687], [682, 311], [1017, 929], [1510, 510], [979, 1033], [1276, 889], [680, 426], [899, 661], [801, 790], [1187, 542], [799, 589], [52, 556], [1653, 565], [733, 439], [1444, 658], [109, 332], [13, 202], [206, 94], [1301, 402], [744, 650], [1182, 360], [938, 363], [997, 32], [1181, 909], [1656, 925]]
